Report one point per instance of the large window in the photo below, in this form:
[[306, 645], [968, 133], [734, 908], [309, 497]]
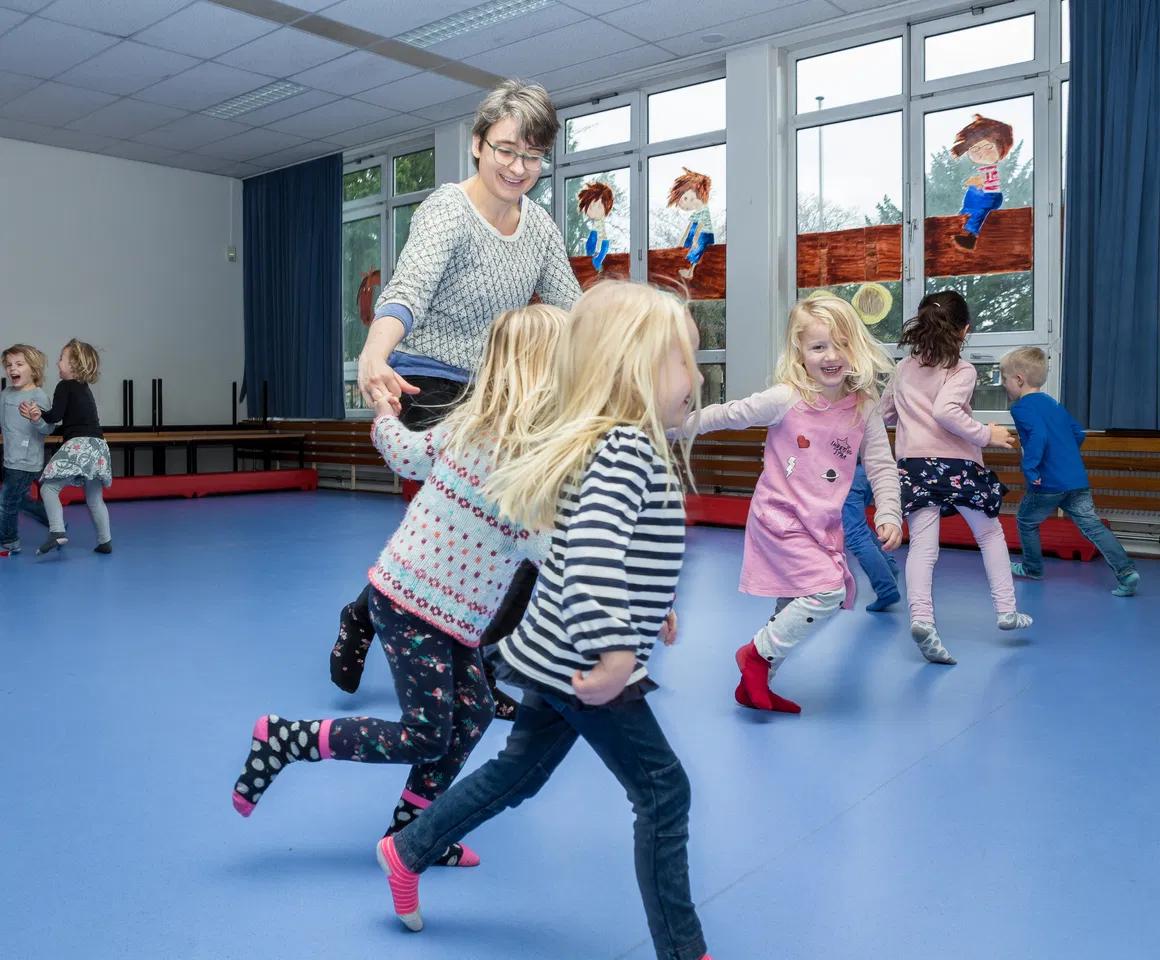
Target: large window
[[915, 170], [380, 196], [641, 178]]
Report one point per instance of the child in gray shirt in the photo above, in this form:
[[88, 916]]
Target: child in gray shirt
[[23, 441]]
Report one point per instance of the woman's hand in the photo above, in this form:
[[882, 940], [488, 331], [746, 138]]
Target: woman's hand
[[604, 681], [889, 536], [375, 376]]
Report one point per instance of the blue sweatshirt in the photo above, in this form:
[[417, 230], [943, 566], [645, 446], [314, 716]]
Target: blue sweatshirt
[[1050, 439]]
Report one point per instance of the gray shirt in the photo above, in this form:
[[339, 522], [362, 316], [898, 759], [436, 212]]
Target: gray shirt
[[457, 272], [23, 439]]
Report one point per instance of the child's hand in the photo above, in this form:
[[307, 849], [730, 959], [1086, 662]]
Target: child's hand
[[30, 411], [1000, 436], [669, 629], [604, 681], [890, 536], [387, 405]]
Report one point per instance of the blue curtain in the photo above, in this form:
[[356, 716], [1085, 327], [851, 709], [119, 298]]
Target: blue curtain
[[1111, 316], [292, 229]]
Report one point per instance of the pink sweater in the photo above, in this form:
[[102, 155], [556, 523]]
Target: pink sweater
[[931, 407], [794, 544]]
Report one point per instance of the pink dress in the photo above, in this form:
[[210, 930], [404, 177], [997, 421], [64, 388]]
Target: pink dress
[[794, 545]]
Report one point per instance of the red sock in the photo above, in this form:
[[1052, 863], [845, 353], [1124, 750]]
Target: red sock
[[753, 690]]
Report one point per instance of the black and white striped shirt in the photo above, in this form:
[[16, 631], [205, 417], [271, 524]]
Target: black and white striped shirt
[[611, 574]]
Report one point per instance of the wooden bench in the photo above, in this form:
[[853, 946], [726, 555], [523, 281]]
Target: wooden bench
[[1124, 471]]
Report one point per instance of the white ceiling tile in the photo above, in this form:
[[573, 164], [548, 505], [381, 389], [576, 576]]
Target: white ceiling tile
[[609, 66], [556, 48], [75, 140], [597, 8], [751, 28], [241, 170], [284, 52], [203, 86], [195, 161], [306, 151], [420, 90], [321, 122], [191, 132], [451, 109], [42, 48], [205, 30], [252, 143], [288, 107], [660, 19], [122, 18], [354, 73], [129, 150], [9, 19], [27, 6], [22, 129], [14, 84], [517, 28], [126, 68], [391, 19], [360, 136], [127, 118], [55, 104]]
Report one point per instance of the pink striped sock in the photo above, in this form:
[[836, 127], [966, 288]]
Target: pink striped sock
[[404, 884], [456, 854]]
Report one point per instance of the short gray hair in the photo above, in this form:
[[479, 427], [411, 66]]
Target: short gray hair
[[528, 104]]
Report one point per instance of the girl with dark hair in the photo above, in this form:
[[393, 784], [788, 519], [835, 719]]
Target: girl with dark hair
[[939, 446]]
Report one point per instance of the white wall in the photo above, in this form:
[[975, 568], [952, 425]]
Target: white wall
[[132, 258]]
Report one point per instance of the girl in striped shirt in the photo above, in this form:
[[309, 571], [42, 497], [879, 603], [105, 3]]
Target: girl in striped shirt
[[436, 586], [599, 473]]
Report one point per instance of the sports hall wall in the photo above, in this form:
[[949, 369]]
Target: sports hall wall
[[132, 258]]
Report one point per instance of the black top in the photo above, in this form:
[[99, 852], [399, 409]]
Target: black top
[[74, 408]]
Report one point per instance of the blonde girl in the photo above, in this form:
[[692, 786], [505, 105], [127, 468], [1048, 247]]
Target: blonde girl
[[598, 472], [83, 458], [436, 585], [821, 415]]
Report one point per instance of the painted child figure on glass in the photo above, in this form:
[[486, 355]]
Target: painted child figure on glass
[[985, 142], [690, 192], [595, 203]]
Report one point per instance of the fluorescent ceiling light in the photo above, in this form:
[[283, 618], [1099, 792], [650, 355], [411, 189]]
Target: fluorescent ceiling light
[[485, 15], [261, 97]]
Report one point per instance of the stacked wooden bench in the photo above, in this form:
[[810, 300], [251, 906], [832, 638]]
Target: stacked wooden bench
[[1124, 471]]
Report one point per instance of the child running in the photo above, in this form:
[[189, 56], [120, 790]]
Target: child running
[[1053, 467], [599, 471], [436, 585], [875, 562], [940, 462], [821, 417], [83, 458], [23, 441]]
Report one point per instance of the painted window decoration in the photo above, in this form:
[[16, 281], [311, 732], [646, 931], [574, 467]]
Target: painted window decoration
[[849, 217], [596, 225], [686, 222], [979, 200]]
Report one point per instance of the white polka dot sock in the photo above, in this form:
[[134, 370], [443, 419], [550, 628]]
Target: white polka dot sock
[[276, 743]]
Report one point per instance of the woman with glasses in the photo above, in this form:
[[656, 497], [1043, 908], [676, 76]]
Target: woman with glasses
[[476, 249]]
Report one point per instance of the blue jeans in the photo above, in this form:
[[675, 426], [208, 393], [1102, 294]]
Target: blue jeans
[[628, 739], [979, 204], [696, 250], [862, 541], [590, 249], [14, 498], [1037, 506]]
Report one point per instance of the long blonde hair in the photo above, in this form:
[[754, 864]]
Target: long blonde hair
[[511, 383], [84, 360], [606, 375], [869, 362]]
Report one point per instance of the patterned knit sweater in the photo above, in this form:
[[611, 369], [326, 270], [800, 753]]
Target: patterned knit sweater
[[457, 272], [452, 559]]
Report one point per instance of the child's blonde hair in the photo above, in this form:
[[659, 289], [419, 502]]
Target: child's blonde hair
[[606, 375], [34, 358], [85, 361], [511, 381], [869, 362], [1030, 362]]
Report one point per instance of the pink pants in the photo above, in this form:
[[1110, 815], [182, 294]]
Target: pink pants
[[988, 534]]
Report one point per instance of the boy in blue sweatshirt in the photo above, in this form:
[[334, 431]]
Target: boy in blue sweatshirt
[[1056, 478]]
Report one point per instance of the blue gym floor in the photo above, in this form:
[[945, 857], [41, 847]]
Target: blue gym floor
[[1007, 807]]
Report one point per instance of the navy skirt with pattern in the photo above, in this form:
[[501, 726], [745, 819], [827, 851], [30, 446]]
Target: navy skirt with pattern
[[949, 484]]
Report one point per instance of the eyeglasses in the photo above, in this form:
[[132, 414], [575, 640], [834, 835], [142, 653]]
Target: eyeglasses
[[506, 156]]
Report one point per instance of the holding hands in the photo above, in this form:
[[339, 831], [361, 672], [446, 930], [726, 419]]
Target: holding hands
[[30, 411]]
